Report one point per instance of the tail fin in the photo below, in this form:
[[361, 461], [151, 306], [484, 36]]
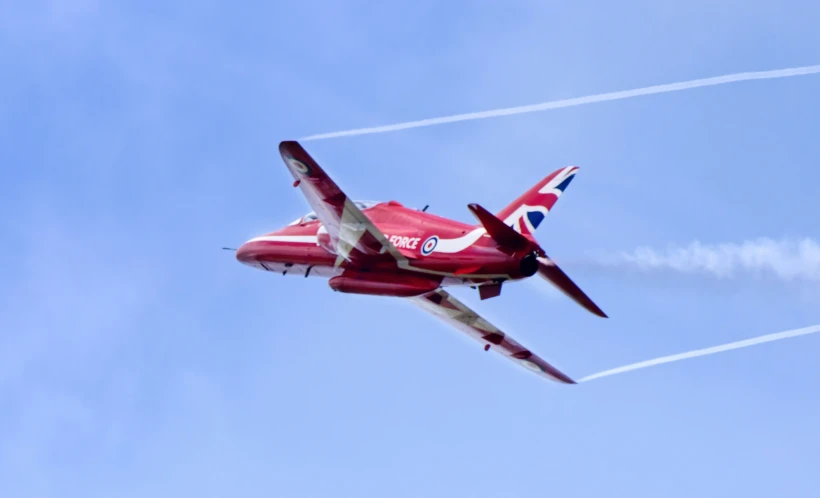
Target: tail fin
[[528, 211]]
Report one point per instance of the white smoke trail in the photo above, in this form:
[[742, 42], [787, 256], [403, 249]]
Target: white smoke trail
[[707, 351], [785, 259], [625, 94]]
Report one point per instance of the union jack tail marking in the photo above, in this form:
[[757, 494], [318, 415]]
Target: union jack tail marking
[[528, 211]]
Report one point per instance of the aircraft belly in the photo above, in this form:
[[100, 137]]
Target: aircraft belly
[[458, 282], [490, 266], [301, 270]]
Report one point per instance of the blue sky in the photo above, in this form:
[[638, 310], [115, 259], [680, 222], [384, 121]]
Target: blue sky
[[137, 359]]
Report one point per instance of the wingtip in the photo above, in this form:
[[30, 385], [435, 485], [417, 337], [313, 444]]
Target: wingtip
[[593, 308], [285, 144], [555, 374], [564, 379]]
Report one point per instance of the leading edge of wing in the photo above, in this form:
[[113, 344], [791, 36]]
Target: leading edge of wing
[[351, 231], [442, 304]]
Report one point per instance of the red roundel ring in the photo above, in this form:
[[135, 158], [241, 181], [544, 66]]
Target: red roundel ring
[[429, 245], [299, 166]]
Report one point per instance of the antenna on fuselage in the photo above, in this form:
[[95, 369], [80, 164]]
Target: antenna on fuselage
[[425, 208]]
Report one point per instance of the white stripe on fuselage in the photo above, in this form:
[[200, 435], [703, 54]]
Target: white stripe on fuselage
[[298, 239], [450, 246]]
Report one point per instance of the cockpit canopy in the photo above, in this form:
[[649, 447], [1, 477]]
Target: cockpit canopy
[[311, 216]]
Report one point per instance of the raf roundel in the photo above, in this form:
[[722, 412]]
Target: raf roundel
[[429, 245], [299, 166]]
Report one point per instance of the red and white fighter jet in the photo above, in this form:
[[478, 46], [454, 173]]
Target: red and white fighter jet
[[386, 249]]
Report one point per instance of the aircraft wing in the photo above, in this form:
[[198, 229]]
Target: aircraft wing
[[443, 305], [351, 232]]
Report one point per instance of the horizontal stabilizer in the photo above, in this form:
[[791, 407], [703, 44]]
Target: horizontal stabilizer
[[508, 239], [550, 271]]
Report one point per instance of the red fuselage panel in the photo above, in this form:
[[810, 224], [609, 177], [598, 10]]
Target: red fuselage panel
[[434, 247]]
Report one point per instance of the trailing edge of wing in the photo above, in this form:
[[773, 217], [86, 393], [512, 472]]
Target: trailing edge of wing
[[443, 305]]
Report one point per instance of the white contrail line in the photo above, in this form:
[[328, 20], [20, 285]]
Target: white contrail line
[[555, 104], [707, 351]]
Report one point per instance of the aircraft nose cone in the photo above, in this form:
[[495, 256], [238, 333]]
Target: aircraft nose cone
[[246, 253]]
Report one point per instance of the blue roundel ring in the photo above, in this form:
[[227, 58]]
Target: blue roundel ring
[[299, 166], [429, 245]]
